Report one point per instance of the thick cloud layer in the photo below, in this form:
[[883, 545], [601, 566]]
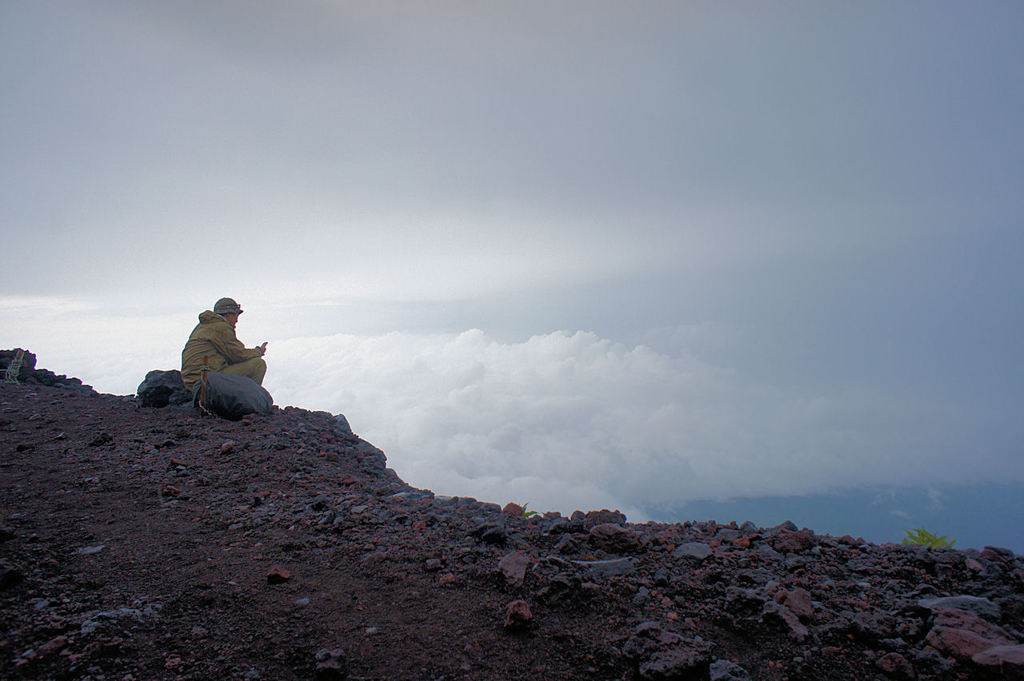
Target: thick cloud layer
[[570, 421]]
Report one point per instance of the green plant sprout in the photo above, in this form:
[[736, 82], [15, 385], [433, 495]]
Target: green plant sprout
[[923, 537], [528, 514]]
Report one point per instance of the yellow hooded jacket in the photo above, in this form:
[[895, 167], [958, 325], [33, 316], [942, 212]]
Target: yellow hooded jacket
[[213, 338]]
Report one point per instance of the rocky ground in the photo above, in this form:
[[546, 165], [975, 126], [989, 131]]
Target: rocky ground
[[141, 543]]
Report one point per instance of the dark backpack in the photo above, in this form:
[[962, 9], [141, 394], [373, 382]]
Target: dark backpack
[[231, 396]]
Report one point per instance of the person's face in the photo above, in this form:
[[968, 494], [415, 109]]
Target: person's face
[[232, 318]]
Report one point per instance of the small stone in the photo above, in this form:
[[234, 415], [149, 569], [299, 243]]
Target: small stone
[[513, 510], [793, 542], [172, 662], [53, 646], [228, 447], [617, 567], [896, 666], [330, 665], [373, 558], [278, 575], [569, 543], [106, 647], [696, 550], [799, 601], [491, 533], [513, 566], [727, 670], [517, 615], [433, 564], [89, 550], [101, 440]]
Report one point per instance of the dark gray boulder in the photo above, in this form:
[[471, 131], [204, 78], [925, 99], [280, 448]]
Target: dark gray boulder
[[161, 388]]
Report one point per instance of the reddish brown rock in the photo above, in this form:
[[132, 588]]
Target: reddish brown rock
[[799, 601], [513, 510], [896, 666], [593, 518], [513, 567], [518, 615], [963, 634], [615, 538], [170, 491], [1009, 660], [793, 542], [278, 575]]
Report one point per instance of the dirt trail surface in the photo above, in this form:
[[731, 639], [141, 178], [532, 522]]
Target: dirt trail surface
[[140, 543]]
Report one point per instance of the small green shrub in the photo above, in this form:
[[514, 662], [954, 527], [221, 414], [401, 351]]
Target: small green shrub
[[528, 514], [923, 537]]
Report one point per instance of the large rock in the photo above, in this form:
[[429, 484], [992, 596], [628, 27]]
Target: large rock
[[28, 363], [594, 518], [28, 372], [1009, 660], [615, 538], [962, 634], [662, 655], [793, 542], [979, 606], [161, 388]]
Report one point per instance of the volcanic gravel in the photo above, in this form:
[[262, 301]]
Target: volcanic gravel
[[140, 543]]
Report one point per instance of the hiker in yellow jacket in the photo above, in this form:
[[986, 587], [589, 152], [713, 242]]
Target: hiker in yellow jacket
[[214, 339]]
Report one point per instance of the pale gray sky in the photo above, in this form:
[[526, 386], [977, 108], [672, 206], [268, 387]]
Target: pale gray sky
[[808, 203]]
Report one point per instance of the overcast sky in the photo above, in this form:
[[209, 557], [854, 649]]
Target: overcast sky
[[573, 253]]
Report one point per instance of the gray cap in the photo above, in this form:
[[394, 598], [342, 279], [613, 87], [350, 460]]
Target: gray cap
[[227, 306]]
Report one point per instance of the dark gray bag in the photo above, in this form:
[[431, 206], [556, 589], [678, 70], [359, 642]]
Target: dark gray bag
[[231, 396]]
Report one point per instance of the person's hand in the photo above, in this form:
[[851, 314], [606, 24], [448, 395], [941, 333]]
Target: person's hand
[[263, 349]]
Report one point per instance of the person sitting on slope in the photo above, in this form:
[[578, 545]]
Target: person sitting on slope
[[214, 341]]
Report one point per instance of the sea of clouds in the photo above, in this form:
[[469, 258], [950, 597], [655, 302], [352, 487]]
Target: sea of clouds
[[569, 421]]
